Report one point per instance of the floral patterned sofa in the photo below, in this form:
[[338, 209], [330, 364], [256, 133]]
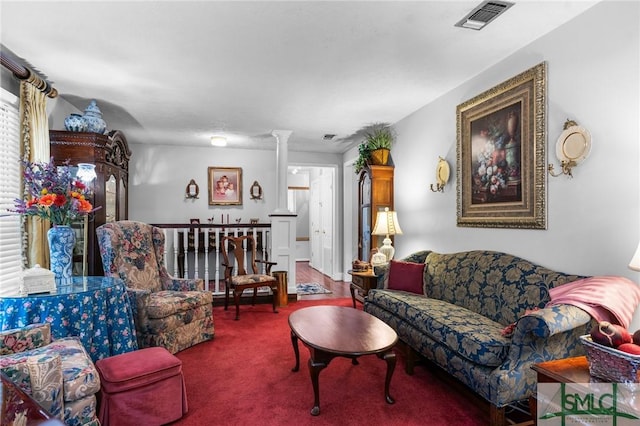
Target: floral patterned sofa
[[481, 316], [58, 374]]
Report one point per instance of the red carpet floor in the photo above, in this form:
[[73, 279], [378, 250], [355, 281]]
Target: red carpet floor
[[244, 377]]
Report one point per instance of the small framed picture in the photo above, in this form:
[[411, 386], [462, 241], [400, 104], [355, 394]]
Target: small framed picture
[[194, 221], [225, 186]]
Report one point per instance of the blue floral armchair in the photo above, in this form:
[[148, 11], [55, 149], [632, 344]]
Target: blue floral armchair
[[58, 374], [170, 312]]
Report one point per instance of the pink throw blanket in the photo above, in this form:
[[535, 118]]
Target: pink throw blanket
[[605, 298]]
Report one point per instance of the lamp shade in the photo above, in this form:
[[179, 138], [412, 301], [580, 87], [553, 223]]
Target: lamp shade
[[387, 223], [635, 261]]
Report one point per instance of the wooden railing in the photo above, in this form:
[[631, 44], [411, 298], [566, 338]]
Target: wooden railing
[[185, 248]]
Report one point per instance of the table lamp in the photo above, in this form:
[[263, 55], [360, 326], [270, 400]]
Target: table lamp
[[387, 224], [635, 261]]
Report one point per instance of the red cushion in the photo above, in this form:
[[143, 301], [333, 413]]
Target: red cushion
[[406, 276]]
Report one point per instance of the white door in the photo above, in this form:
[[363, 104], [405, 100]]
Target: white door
[[326, 206], [315, 226]]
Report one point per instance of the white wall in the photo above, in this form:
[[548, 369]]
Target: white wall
[[159, 174], [593, 69]]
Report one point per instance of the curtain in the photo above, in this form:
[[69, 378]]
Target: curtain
[[34, 134]]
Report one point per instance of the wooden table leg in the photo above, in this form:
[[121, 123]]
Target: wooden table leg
[[353, 295], [315, 368], [390, 358], [296, 351]]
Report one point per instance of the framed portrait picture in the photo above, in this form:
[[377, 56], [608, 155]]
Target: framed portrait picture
[[501, 138], [225, 186]]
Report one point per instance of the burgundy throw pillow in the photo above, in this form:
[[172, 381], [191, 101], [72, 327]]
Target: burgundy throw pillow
[[406, 276]]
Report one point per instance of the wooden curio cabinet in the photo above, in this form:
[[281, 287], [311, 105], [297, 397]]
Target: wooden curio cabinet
[[375, 192], [110, 153]]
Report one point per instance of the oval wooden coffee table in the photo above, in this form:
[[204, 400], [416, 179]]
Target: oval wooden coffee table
[[335, 331]]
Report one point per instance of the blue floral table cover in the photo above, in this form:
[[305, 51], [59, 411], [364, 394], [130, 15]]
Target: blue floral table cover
[[96, 309]]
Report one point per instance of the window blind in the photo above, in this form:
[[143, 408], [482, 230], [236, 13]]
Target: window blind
[[10, 223]]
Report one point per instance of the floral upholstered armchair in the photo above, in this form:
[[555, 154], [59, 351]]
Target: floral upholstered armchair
[[170, 312], [58, 374]]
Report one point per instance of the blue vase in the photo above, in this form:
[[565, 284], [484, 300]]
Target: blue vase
[[61, 242], [93, 117], [75, 123]]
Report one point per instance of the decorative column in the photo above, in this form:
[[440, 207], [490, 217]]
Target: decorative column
[[283, 222], [282, 163]]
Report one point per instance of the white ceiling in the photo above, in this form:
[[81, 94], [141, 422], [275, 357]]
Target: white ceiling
[[177, 72]]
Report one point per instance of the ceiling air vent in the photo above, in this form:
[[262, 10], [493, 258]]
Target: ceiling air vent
[[483, 14]]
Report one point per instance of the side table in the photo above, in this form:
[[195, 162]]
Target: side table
[[363, 282], [96, 309], [568, 370]]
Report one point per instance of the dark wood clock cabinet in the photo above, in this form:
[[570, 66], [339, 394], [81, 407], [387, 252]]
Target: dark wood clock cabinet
[[375, 192], [110, 153]]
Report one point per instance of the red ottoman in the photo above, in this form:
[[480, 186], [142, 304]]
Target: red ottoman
[[144, 387]]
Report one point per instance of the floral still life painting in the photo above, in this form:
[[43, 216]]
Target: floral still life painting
[[495, 147], [500, 154]]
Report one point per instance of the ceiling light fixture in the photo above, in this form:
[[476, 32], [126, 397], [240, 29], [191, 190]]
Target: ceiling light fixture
[[218, 141]]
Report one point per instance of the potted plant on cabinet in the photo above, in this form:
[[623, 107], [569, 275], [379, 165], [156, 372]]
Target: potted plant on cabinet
[[376, 146]]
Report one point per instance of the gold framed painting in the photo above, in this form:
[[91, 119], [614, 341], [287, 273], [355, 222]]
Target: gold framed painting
[[225, 186], [501, 138]]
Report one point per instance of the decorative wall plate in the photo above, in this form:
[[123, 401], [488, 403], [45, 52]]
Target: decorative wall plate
[[574, 145]]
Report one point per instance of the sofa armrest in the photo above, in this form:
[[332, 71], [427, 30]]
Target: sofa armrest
[[47, 388], [381, 272], [26, 338], [543, 335], [546, 322]]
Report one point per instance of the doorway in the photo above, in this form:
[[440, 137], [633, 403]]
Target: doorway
[[312, 196]]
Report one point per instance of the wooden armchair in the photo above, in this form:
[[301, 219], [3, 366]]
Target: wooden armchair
[[171, 312], [244, 258]]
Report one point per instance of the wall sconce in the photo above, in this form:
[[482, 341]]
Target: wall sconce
[[387, 224], [255, 191], [572, 148], [192, 190], [442, 175]]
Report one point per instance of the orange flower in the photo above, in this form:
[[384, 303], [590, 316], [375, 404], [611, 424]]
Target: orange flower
[[47, 200], [84, 206]]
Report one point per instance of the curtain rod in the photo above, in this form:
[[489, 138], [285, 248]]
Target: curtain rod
[[24, 73]]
